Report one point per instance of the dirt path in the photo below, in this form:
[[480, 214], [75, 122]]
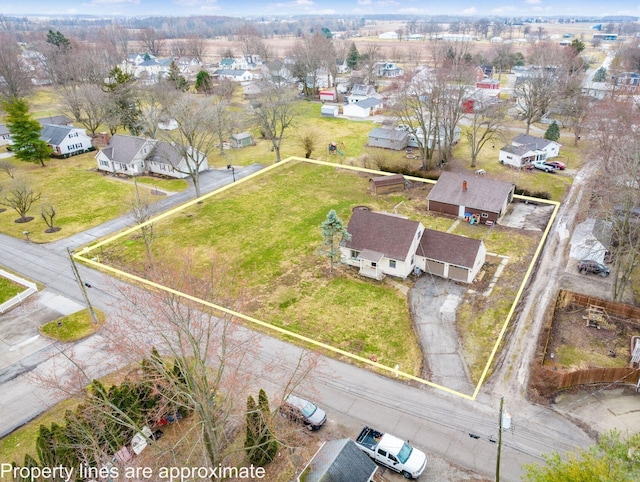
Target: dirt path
[[512, 372]]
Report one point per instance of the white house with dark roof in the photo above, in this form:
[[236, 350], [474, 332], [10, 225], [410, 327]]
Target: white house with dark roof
[[387, 244], [525, 149], [66, 141], [362, 109], [360, 92], [228, 63], [466, 195], [134, 156]]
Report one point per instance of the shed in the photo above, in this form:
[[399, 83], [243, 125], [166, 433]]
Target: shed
[[339, 461], [329, 111], [466, 195], [591, 240], [395, 139], [387, 184], [242, 139], [328, 95]]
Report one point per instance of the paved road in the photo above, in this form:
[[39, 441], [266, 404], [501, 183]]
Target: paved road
[[433, 420]]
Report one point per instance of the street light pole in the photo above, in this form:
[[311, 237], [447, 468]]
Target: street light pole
[[233, 171]]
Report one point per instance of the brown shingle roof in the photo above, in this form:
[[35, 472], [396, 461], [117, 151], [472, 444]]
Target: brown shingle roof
[[482, 193], [388, 180], [381, 232], [449, 248]]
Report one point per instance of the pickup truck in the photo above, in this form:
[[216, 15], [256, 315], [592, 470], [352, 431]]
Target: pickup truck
[[392, 452], [543, 166]]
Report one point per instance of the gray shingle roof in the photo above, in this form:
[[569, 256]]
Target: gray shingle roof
[[165, 153], [449, 248], [519, 150], [383, 133], [482, 193], [537, 142], [56, 120], [123, 149], [340, 461], [368, 102], [381, 232], [54, 135], [3, 129]]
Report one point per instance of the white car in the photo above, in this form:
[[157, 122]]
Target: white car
[[543, 166]]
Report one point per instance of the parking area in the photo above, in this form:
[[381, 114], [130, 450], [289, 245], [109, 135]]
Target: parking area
[[527, 215]]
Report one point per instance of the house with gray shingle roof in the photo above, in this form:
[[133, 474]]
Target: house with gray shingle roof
[[233, 74], [395, 139], [467, 195], [525, 149], [339, 461], [363, 108], [134, 156], [66, 141], [56, 120], [387, 244]]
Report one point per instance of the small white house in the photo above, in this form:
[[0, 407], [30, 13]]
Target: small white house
[[550, 148], [233, 74], [362, 109], [519, 156]]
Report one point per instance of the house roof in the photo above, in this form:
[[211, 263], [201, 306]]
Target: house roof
[[382, 232], [241, 135], [482, 193], [123, 149], [537, 142], [232, 72], [388, 180], [56, 120], [391, 134], [340, 460], [53, 134], [165, 153], [518, 150], [368, 103], [361, 89], [449, 248]]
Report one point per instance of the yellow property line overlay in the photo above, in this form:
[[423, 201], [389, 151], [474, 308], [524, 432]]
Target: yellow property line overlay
[[84, 252]]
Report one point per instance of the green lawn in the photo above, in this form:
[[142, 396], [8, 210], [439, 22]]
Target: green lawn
[[9, 289], [73, 327]]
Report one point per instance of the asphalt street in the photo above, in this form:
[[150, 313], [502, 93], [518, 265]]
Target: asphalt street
[[460, 431]]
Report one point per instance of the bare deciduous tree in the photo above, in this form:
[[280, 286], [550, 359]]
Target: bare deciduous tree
[[48, 212], [152, 41], [485, 127], [8, 167], [14, 71], [19, 196]]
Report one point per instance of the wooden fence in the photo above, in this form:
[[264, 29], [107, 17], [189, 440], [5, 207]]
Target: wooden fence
[[547, 380]]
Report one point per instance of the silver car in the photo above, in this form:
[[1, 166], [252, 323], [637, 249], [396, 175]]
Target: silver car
[[303, 411]]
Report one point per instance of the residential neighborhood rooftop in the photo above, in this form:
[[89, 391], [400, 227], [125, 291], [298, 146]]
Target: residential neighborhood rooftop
[[449, 248]]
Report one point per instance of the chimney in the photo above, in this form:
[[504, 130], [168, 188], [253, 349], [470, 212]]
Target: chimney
[[464, 185], [105, 137]]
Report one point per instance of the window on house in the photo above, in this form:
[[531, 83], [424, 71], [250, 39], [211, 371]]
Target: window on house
[[485, 215], [374, 264], [392, 263], [355, 254]]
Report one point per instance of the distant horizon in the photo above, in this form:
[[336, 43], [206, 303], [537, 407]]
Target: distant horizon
[[342, 8]]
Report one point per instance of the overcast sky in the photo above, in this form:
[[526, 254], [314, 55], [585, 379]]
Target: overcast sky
[[321, 7]]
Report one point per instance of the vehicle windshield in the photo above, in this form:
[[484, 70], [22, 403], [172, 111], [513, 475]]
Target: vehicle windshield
[[405, 453], [309, 409]]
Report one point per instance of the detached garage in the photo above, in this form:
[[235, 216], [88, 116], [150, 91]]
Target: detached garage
[[388, 138], [450, 256]]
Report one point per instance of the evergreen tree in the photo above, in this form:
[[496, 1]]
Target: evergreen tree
[[123, 109], [553, 132], [260, 444], [577, 45], [25, 132], [44, 447], [334, 235], [177, 80], [353, 57], [600, 75], [56, 38], [203, 82]]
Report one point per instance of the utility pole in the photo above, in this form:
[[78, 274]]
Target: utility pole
[[82, 285], [499, 439]]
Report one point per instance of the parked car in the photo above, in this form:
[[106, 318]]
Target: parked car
[[303, 411], [589, 266], [557, 164], [543, 166]]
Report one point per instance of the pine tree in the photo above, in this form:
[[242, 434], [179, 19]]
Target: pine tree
[[25, 132], [203, 82], [353, 57], [260, 444], [553, 132], [334, 235], [177, 80]]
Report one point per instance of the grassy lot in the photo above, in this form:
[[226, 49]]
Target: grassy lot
[[9, 289], [73, 327], [273, 251]]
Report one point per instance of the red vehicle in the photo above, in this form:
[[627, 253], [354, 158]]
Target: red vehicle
[[557, 164]]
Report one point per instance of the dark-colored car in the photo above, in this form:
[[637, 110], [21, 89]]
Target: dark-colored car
[[303, 411], [589, 266]]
